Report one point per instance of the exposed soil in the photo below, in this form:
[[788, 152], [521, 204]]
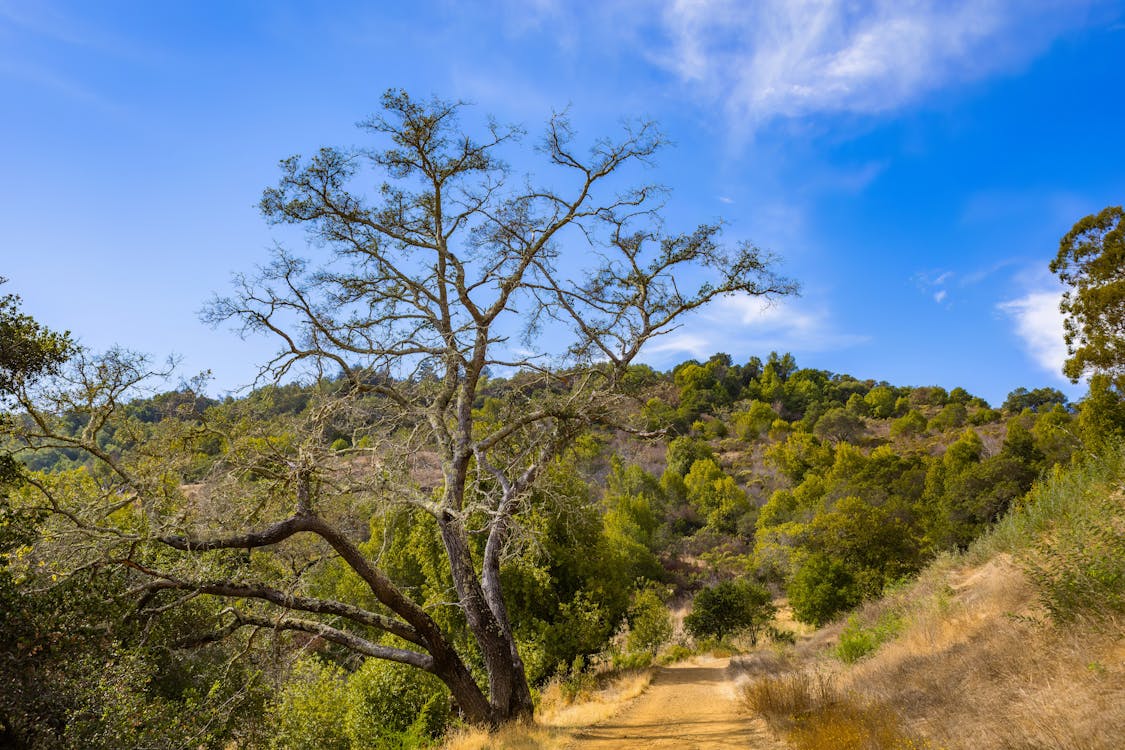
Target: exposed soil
[[693, 704]]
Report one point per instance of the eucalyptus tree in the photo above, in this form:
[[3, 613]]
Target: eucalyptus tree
[[452, 267]]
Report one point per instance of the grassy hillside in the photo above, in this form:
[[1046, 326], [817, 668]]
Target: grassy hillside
[[1018, 642]]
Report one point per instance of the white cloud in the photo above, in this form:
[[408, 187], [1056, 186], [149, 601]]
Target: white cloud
[[791, 58], [744, 325], [1039, 325], [933, 283]]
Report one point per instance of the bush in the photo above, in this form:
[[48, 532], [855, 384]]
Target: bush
[[393, 704], [730, 607], [383, 704], [306, 715], [1069, 537], [909, 425], [858, 640], [650, 622], [822, 588]]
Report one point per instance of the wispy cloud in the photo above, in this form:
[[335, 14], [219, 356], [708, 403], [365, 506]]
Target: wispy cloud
[[934, 283], [1039, 326], [780, 58], [747, 325]]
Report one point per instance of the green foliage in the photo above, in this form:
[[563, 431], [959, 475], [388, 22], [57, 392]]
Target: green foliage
[[394, 705], [27, 349], [981, 417], [569, 592], [821, 588], [381, 705], [1089, 264], [799, 454], [1068, 536], [929, 395], [307, 713], [716, 496], [880, 401], [1036, 400], [952, 415], [650, 622], [911, 424], [683, 452], [754, 420], [857, 406], [858, 640], [739, 606], [838, 425], [1101, 415]]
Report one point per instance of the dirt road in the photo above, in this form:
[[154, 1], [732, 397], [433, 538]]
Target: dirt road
[[689, 705]]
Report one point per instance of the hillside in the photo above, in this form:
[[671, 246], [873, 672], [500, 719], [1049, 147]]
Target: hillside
[[1017, 643], [734, 485]]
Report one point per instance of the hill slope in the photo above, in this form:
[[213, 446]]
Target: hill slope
[[1018, 643]]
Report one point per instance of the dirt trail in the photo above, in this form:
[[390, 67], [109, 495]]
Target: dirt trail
[[689, 705]]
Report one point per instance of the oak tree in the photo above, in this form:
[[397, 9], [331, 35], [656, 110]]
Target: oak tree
[[1091, 263], [453, 267]]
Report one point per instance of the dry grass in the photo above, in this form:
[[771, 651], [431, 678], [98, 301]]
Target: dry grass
[[979, 667], [516, 737], [812, 713], [590, 708], [556, 716]]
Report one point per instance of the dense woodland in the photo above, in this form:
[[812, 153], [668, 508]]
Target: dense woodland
[[411, 527]]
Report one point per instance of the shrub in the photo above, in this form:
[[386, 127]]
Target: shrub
[[858, 640], [729, 607], [1069, 537], [822, 588], [908, 425], [650, 622], [306, 715], [392, 704], [815, 716]]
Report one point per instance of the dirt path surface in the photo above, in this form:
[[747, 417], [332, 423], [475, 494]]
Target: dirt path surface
[[689, 705]]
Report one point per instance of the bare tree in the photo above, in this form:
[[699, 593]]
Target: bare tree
[[451, 268]]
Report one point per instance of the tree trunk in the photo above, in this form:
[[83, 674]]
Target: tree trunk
[[508, 692]]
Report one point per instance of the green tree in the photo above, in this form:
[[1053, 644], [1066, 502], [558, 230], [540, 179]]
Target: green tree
[[1089, 263], [650, 622], [716, 496], [911, 424], [881, 401], [412, 300], [821, 588], [731, 607], [1022, 398], [838, 425], [951, 415]]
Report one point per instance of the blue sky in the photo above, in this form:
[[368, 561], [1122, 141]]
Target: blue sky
[[913, 163]]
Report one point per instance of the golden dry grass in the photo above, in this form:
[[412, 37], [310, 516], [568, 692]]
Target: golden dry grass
[[979, 667], [812, 713], [556, 716]]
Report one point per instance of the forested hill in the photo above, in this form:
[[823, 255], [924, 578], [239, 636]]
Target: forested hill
[[804, 483]]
